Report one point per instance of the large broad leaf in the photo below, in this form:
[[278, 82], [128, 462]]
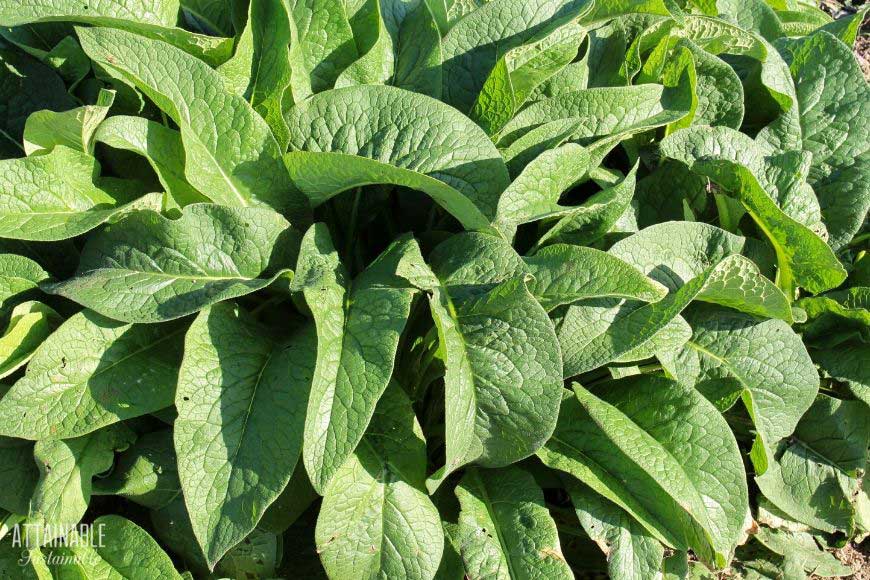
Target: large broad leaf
[[632, 552], [731, 355], [503, 374], [359, 324], [54, 196], [556, 275], [505, 530], [26, 86], [400, 138], [648, 444], [111, 547], [519, 72], [160, 145], [834, 123], [376, 519], [474, 46], [231, 152], [804, 258], [260, 69], [66, 469], [153, 19], [241, 400], [322, 46], [673, 253], [629, 110], [90, 373], [601, 331], [147, 268], [816, 476], [418, 52]]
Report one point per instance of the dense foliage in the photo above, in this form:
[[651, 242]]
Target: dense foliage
[[432, 288]]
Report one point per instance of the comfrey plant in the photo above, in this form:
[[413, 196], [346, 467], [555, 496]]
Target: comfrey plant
[[528, 289]]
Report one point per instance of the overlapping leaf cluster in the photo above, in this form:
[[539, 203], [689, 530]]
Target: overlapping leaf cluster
[[432, 289]]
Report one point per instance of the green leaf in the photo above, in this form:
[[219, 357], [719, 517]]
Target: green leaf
[[359, 325], [535, 193], [647, 446], [503, 375], [19, 277], [74, 128], [66, 469], [631, 551], [847, 363], [217, 15], [605, 111], [475, 44], [813, 479], [260, 68], [519, 72], [146, 473], [240, 401], [146, 268], [557, 275], [322, 45], [395, 143], [160, 145], [92, 372], [374, 45], [376, 519], [803, 547], [762, 362], [230, 150], [505, 530], [594, 334], [673, 253], [418, 52], [54, 196], [831, 91], [718, 91], [804, 258], [837, 316], [153, 19], [595, 217], [112, 547], [30, 323]]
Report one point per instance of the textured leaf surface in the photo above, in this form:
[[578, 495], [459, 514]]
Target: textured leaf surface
[[505, 530], [375, 510], [358, 324], [773, 372], [401, 129], [622, 445], [92, 372], [53, 196], [153, 19], [236, 385], [230, 150], [147, 268]]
